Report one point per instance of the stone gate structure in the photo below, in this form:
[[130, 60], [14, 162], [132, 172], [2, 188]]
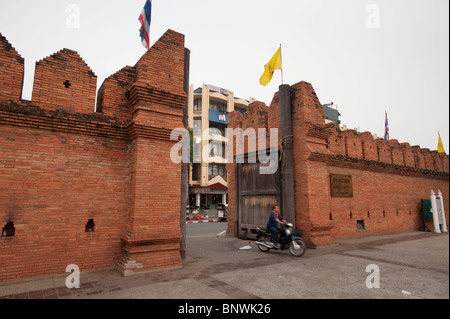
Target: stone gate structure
[[347, 184], [87, 184]]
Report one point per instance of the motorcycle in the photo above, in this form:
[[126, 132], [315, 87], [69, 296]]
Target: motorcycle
[[222, 214], [291, 240]]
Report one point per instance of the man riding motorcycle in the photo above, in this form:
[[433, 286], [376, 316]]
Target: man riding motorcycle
[[275, 218]]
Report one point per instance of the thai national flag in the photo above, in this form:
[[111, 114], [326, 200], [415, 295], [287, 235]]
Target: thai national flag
[[145, 19], [386, 129]]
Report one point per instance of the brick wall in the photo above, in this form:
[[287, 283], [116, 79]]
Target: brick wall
[[11, 71], [51, 184], [64, 80], [389, 179], [62, 165], [112, 99]]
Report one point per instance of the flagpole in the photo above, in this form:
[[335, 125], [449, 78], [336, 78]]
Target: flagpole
[[281, 58]]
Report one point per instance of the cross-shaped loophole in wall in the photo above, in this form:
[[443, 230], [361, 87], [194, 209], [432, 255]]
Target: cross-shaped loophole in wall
[[67, 84]]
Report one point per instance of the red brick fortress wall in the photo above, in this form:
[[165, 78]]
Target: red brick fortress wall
[[389, 179], [65, 163], [52, 182]]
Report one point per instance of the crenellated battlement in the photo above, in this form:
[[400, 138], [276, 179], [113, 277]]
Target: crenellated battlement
[[332, 141], [364, 146], [11, 71], [64, 81]]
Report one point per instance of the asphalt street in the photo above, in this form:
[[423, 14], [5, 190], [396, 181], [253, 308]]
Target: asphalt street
[[205, 229], [413, 265]]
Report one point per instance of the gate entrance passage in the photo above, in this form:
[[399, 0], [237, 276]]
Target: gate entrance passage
[[256, 194]]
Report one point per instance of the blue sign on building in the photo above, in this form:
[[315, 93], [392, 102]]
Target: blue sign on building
[[218, 117]]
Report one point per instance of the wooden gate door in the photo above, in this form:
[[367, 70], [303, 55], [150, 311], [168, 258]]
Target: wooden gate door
[[256, 195]]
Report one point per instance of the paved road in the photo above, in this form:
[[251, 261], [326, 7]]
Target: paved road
[[205, 229], [410, 266]]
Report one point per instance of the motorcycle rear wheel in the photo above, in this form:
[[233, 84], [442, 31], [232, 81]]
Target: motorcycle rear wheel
[[298, 248], [263, 239]]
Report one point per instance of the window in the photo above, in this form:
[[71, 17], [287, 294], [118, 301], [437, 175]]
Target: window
[[196, 170], [197, 141], [217, 170], [217, 149], [240, 109], [221, 107], [197, 151], [198, 106], [217, 127], [197, 128]]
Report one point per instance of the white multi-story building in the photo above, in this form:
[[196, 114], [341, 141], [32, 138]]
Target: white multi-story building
[[209, 107]]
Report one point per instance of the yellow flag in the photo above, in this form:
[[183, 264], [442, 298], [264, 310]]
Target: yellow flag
[[269, 68], [440, 145]]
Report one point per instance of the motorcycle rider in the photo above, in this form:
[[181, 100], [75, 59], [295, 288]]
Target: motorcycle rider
[[275, 219]]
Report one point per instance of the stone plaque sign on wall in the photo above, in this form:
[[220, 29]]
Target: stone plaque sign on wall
[[341, 185]]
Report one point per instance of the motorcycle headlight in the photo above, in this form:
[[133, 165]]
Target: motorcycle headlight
[[288, 231]]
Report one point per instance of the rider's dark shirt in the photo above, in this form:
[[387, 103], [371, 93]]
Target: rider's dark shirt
[[272, 223]]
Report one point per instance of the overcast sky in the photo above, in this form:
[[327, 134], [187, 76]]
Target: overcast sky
[[366, 56]]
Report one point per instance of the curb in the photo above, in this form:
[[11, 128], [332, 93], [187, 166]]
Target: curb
[[202, 221]]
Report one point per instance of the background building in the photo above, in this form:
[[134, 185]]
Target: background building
[[331, 113], [209, 107]]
